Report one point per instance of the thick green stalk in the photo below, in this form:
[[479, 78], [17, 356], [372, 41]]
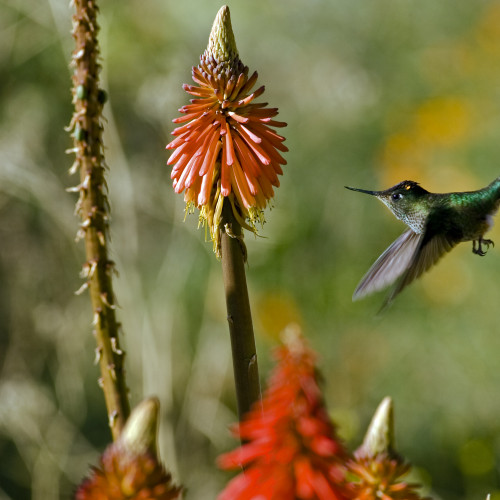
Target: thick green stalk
[[246, 372], [93, 208]]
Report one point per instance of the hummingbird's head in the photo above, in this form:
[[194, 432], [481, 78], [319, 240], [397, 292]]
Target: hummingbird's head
[[402, 199]]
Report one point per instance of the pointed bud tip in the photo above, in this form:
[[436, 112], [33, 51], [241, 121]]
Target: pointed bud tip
[[140, 433], [292, 338], [379, 437], [221, 43]]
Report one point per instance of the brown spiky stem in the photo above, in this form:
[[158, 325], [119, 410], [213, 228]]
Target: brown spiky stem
[[246, 372], [93, 208]]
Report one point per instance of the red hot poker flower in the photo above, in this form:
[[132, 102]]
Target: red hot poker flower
[[292, 451], [227, 148]]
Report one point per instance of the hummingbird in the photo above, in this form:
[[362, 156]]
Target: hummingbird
[[436, 222]]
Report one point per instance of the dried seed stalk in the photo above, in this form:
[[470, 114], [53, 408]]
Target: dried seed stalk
[[93, 208]]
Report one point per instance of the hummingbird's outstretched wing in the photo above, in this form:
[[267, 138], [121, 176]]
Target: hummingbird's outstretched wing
[[404, 261], [432, 246], [390, 265]]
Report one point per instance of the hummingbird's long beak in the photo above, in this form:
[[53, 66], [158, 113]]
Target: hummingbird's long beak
[[373, 193]]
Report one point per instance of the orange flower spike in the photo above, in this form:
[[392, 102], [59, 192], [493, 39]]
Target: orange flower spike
[[223, 125]]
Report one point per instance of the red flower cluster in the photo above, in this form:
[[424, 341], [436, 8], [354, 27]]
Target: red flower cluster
[[292, 450], [228, 148]]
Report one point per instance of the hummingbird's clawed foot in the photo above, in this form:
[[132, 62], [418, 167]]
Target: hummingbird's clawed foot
[[477, 246]]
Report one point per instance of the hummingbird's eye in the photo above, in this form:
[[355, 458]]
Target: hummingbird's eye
[[397, 196]]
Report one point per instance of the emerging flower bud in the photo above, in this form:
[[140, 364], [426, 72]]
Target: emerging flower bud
[[379, 437], [130, 469], [376, 468]]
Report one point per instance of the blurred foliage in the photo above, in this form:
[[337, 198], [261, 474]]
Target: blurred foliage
[[374, 92]]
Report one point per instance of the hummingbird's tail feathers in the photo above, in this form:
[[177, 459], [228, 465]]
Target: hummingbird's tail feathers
[[495, 186], [390, 265]]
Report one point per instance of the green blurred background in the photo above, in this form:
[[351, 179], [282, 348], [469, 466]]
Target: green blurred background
[[374, 92]]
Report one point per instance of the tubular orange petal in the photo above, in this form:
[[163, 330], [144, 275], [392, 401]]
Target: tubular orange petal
[[178, 153], [323, 446], [248, 132], [178, 141], [211, 155], [246, 157], [258, 110], [179, 166], [249, 83], [185, 118], [225, 170], [242, 79], [257, 150], [197, 91], [242, 200], [271, 151], [322, 488], [197, 108], [181, 182], [269, 176], [199, 78], [239, 487], [270, 122], [195, 170], [253, 185], [229, 142], [205, 100], [188, 147], [222, 121], [241, 186], [275, 139], [248, 99], [205, 138], [304, 477], [195, 187], [206, 185], [231, 83], [190, 127], [238, 118]]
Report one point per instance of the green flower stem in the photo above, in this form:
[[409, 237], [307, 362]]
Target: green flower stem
[[92, 206], [246, 372]]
